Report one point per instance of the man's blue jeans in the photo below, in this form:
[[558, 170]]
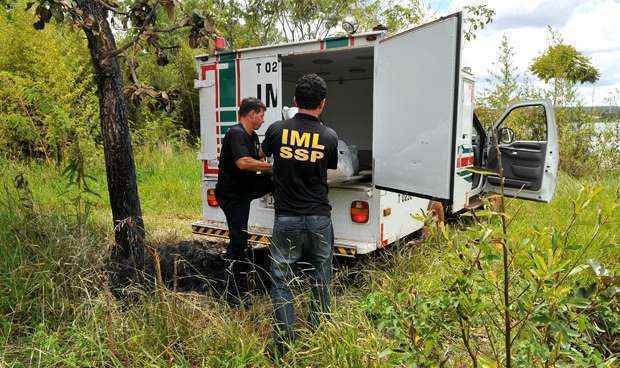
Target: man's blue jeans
[[300, 239]]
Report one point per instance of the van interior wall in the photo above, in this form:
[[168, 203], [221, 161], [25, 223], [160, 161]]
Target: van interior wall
[[349, 103], [348, 112]]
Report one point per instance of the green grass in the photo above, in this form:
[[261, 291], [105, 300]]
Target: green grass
[[55, 309], [168, 182]]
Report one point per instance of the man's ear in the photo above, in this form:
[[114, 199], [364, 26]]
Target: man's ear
[[251, 115], [295, 102], [322, 105]]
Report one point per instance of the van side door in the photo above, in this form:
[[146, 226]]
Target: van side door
[[527, 150]]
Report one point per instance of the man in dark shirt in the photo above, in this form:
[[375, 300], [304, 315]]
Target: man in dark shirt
[[239, 182], [303, 149]]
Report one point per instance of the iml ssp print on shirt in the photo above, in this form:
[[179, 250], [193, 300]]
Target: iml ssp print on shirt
[[301, 146]]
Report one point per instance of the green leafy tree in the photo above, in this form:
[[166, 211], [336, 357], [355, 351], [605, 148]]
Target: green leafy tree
[[172, 116], [394, 15], [399, 15], [565, 67], [505, 88], [503, 85], [146, 26], [565, 62], [254, 22], [43, 77], [269, 21]]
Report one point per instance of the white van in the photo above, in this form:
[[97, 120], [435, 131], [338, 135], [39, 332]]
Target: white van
[[407, 105]]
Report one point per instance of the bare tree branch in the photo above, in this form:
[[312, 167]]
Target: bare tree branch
[[134, 39], [173, 28], [125, 47]]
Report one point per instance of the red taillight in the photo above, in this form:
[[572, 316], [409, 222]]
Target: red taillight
[[359, 212], [211, 200]]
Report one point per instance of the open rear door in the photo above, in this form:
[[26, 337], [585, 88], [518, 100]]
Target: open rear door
[[415, 109]]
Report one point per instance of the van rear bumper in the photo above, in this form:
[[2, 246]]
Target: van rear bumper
[[260, 238]]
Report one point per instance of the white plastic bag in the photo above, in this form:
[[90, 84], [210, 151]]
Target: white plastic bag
[[348, 163], [289, 112]]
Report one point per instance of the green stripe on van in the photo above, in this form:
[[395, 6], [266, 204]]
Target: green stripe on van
[[336, 42], [228, 116], [228, 84]]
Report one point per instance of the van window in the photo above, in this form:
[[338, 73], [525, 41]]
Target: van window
[[529, 123]]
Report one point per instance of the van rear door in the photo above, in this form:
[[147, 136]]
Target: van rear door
[[415, 109], [261, 77]]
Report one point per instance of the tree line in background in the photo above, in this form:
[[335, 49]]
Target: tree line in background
[[49, 100], [49, 106], [48, 94]]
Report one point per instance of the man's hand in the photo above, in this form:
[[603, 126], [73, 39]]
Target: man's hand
[[250, 164]]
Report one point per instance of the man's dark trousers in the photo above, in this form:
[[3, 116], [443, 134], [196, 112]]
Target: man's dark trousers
[[237, 211], [300, 238]]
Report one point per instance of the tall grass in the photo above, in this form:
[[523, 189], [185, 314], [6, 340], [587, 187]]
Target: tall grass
[[55, 308], [168, 181]]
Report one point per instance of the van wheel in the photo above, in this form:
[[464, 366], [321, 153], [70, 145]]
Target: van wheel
[[437, 212]]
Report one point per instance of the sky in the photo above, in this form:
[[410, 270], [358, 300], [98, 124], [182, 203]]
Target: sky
[[592, 26]]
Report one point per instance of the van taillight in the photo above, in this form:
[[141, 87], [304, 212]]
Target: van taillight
[[359, 212], [211, 198]]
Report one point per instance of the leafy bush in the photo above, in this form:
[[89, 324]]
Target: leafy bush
[[45, 75], [562, 304]]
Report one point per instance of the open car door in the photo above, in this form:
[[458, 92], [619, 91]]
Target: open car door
[[528, 152], [415, 109]]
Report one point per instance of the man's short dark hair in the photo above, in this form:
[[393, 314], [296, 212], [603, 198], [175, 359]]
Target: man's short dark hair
[[251, 104], [310, 90]]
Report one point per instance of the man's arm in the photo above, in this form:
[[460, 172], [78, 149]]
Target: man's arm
[[241, 154], [250, 164]]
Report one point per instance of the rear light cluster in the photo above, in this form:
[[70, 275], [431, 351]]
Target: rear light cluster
[[359, 212], [359, 209], [211, 199]]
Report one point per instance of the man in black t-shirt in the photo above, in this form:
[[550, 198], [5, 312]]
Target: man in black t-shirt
[[238, 183], [303, 149]]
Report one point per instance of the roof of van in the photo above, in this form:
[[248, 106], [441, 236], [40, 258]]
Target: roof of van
[[355, 35]]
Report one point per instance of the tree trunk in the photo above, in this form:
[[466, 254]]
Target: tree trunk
[[119, 161]]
